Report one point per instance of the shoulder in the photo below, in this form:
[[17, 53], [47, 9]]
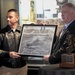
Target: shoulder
[[19, 28], [5, 29]]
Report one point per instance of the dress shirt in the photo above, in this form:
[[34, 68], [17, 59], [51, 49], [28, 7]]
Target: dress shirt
[[64, 28]]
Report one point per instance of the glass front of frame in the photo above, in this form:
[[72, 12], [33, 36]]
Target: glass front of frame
[[37, 40]]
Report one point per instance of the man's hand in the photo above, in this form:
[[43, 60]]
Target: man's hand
[[46, 57], [14, 55]]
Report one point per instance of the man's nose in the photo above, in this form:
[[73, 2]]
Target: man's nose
[[7, 19]]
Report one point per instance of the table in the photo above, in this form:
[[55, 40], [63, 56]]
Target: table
[[55, 70], [33, 69]]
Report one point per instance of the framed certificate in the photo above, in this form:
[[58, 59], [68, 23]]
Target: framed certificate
[[37, 40]]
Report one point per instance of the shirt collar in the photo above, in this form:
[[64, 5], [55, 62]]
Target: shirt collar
[[19, 28], [68, 24]]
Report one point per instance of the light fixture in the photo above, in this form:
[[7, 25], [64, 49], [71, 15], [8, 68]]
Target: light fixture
[[61, 1]]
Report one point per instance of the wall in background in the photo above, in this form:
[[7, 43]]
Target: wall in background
[[0, 15], [24, 7], [5, 6]]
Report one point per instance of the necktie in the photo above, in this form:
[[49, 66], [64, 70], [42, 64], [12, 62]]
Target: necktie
[[63, 29]]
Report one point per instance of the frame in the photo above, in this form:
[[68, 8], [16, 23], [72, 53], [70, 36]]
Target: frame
[[37, 40]]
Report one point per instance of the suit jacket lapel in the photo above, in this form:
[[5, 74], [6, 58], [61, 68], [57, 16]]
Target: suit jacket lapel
[[63, 33], [59, 38]]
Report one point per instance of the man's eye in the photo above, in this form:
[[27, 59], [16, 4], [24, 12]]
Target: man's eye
[[9, 17]]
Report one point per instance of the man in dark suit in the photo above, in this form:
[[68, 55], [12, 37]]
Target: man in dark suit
[[61, 44]]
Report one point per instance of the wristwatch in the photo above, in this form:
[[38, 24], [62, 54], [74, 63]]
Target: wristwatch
[[62, 1]]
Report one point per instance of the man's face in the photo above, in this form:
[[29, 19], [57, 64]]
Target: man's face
[[12, 18], [66, 14]]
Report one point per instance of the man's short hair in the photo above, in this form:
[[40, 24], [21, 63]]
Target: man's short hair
[[13, 10], [70, 5]]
